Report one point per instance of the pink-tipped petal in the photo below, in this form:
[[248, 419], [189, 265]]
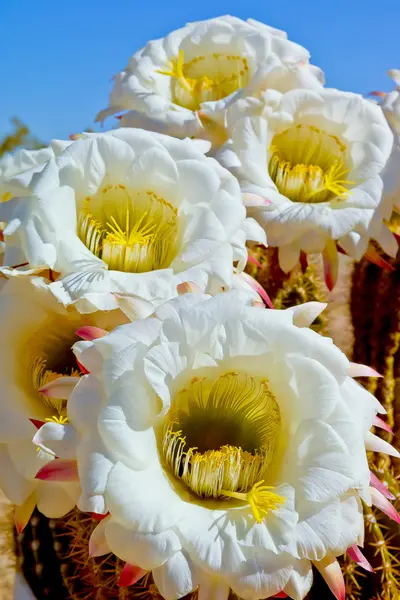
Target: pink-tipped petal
[[60, 388], [255, 200], [98, 545], [38, 424], [384, 505], [61, 470], [377, 444], [90, 333], [358, 370], [333, 576], [188, 287], [331, 264], [130, 575], [355, 554], [373, 256], [254, 261], [23, 512], [375, 93], [258, 288], [378, 422], [380, 486]]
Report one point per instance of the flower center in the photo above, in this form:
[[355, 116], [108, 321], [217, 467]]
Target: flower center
[[205, 78], [308, 165], [135, 232], [220, 436]]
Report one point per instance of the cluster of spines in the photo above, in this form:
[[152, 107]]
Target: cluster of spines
[[375, 307]]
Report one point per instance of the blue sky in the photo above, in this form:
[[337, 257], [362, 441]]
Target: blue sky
[[57, 58]]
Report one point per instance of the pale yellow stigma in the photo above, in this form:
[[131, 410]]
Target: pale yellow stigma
[[308, 165], [205, 78], [133, 232], [220, 437], [261, 499]]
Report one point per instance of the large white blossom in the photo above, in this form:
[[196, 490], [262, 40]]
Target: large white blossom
[[17, 169], [130, 213], [182, 84], [311, 163], [391, 107], [37, 336], [228, 443]]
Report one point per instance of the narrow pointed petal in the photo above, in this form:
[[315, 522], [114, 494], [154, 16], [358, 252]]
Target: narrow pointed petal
[[355, 554], [23, 512], [377, 444], [258, 288], [331, 264], [303, 261], [130, 575], [98, 545], [305, 314], [59, 470], [90, 333], [358, 370], [38, 424], [254, 261], [380, 486], [134, 307], [333, 576], [384, 505], [375, 93], [255, 200], [81, 367], [373, 256], [188, 287], [60, 388], [378, 422], [98, 516]]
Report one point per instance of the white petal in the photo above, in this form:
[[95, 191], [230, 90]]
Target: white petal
[[146, 550], [176, 578]]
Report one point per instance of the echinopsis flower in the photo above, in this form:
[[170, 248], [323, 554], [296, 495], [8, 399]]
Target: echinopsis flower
[[391, 108], [37, 371], [182, 84], [131, 212], [228, 444], [311, 163]]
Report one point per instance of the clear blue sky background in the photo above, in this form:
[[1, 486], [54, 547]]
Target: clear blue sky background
[[57, 56]]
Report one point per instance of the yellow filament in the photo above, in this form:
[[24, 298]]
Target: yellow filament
[[260, 498], [131, 231], [220, 434], [308, 165], [60, 419], [205, 78]]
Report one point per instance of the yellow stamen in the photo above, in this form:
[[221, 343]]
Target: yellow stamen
[[308, 165], [42, 376], [6, 197], [261, 499], [60, 419], [205, 78], [131, 231], [221, 434]]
